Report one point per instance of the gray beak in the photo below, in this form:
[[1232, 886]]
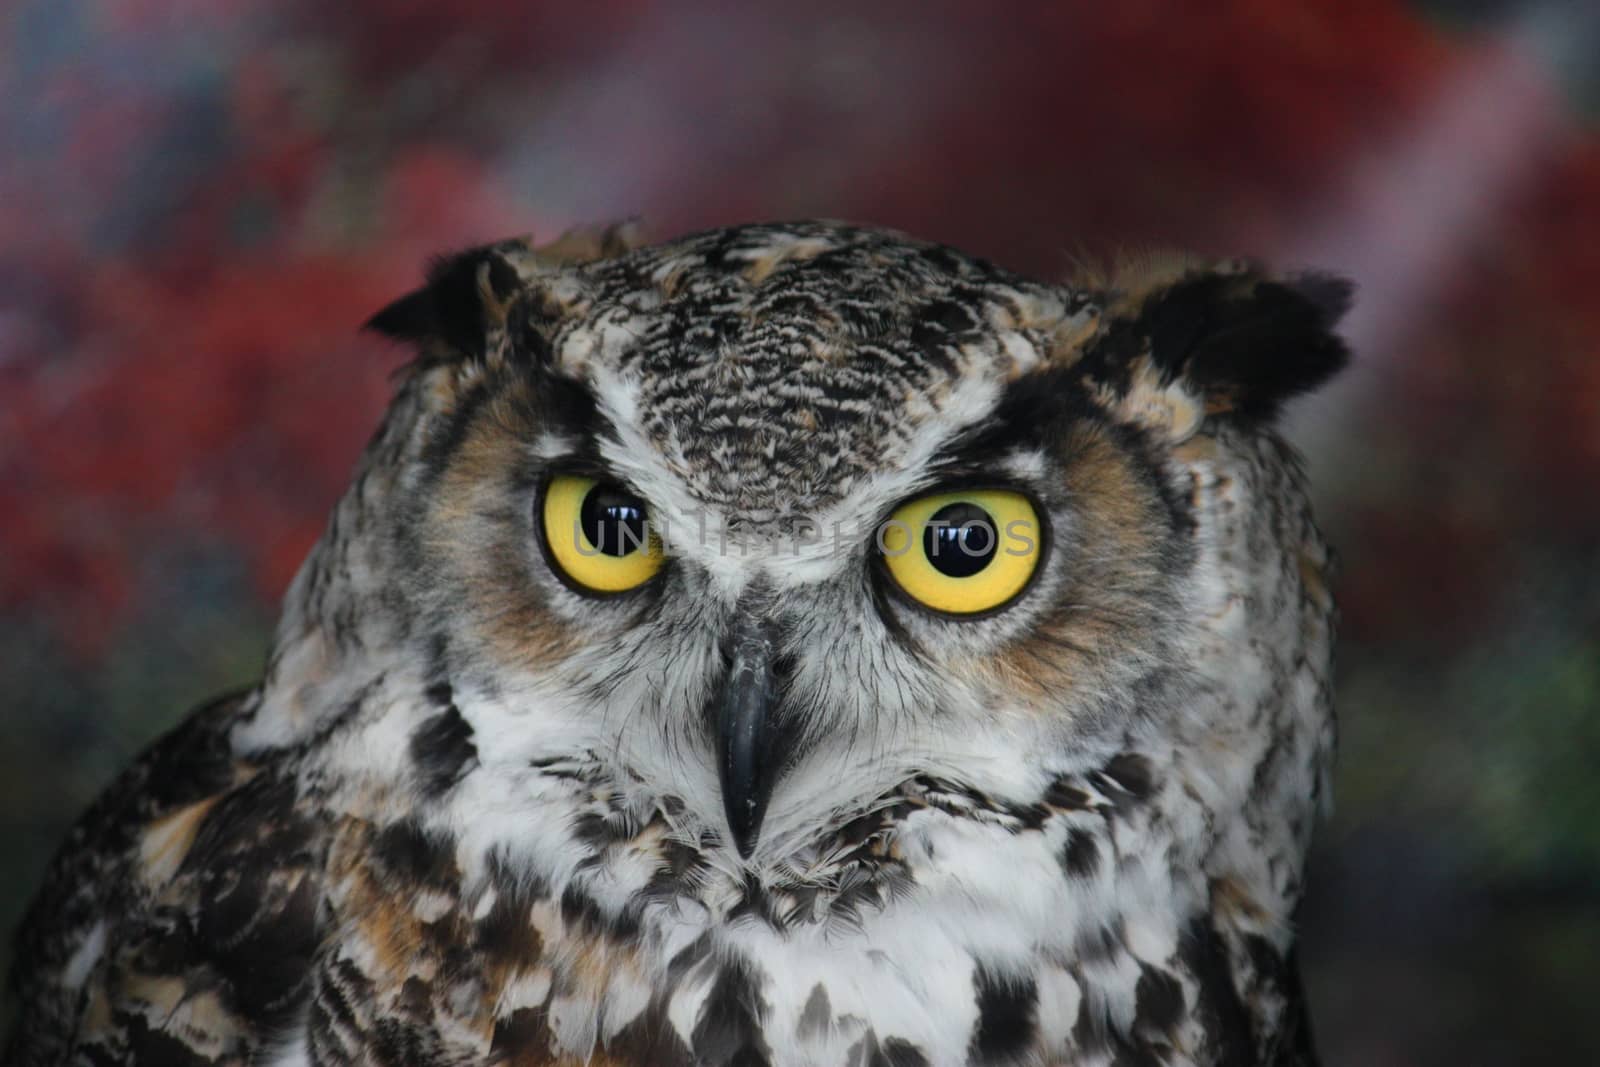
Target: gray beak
[[746, 762]]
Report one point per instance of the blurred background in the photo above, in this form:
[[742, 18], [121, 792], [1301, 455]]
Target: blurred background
[[201, 200]]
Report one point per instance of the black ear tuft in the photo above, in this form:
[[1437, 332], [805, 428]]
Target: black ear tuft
[[1329, 292], [1248, 343], [448, 312]]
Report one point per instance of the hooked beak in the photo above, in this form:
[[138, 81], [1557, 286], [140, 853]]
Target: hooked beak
[[745, 760]]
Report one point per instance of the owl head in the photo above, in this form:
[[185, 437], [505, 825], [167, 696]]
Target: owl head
[[769, 527]]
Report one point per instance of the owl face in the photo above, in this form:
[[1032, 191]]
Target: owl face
[[770, 521]]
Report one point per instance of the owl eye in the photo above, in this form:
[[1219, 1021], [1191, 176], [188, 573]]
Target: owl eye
[[597, 534], [964, 552]]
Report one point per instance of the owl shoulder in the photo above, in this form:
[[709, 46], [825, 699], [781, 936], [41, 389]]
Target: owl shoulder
[[187, 892]]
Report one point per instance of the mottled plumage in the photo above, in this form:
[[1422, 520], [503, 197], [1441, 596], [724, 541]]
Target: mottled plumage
[[763, 807]]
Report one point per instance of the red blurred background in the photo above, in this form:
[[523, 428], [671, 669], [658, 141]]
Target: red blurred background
[[200, 202]]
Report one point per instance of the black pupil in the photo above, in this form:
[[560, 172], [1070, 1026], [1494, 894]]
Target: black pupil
[[960, 540], [613, 520]]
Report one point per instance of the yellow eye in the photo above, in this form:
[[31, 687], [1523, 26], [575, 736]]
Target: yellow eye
[[598, 534], [963, 552]]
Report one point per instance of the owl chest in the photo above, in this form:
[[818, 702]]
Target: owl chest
[[990, 943]]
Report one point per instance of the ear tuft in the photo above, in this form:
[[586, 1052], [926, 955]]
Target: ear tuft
[[1245, 342], [449, 317]]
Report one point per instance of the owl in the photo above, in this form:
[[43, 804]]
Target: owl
[[788, 645]]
